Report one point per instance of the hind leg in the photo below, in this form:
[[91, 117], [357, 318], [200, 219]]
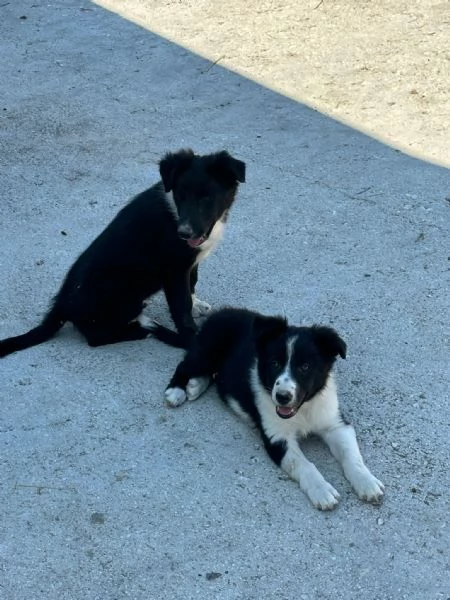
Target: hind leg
[[118, 318], [113, 333]]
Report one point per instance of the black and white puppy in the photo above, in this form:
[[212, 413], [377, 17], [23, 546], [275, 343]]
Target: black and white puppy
[[279, 377], [155, 242]]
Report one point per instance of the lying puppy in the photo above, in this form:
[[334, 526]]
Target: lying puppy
[[156, 242], [279, 377]]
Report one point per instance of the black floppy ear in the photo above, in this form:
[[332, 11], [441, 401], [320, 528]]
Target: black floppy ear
[[225, 166], [329, 342], [172, 165], [266, 329]]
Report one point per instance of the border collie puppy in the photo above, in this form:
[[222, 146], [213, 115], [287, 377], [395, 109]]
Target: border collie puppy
[[279, 377], [155, 242]]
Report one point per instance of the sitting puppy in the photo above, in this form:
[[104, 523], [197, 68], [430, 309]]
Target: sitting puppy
[[279, 377], [156, 242]]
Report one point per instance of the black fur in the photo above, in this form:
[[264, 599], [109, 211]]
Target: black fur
[[144, 249]]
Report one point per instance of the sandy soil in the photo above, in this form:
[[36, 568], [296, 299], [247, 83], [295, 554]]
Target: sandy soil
[[383, 67]]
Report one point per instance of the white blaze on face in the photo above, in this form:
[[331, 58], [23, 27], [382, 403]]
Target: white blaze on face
[[285, 383]]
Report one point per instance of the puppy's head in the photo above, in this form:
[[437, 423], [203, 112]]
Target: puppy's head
[[294, 362], [203, 189]]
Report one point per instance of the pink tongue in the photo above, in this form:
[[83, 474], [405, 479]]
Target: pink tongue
[[284, 410], [196, 242]]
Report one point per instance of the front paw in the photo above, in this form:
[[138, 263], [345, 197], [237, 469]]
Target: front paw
[[368, 487], [199, 308], [196, 386], [322, 495], [175, 396]]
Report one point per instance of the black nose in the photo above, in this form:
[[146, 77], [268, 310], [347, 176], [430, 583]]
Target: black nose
[[185, 231], [283, 397]]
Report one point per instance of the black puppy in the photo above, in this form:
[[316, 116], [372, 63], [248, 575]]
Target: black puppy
[[153, 243], [279, 377]]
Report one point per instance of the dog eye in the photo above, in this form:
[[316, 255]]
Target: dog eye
[[276, 364], [304, 367]]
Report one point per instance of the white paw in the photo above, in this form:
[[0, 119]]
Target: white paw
[[175, 396], [199, 308], [321, 493], [368, 487], [196, 386]]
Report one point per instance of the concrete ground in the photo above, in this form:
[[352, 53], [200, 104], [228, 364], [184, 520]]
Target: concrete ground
[[105, 493]]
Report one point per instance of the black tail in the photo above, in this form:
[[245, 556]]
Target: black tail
[[169, 337], [43, 332]]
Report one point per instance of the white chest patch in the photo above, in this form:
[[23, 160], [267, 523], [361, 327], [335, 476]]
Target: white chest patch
[[214, 238], [317, 414], [211, 243]]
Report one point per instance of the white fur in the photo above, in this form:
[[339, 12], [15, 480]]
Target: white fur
[[321, 493], [199, 307], [196, 386], [175, 396], [343, 445], [208, 245], [319, 413], [171, 204], [285, 383], [321, 416]]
